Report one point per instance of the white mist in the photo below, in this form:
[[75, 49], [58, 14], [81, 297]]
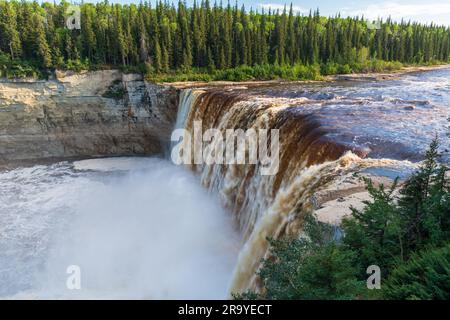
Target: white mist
[[152, 233]]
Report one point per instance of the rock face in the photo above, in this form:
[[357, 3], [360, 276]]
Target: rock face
[[103, 113]]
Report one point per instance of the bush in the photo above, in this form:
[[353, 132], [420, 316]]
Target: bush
[[425, 276], [77, 65], [264, 72], [115, 91], [242, 73], [177, 77], [15, 68], [344, 69], [312, 72], [329, 68]]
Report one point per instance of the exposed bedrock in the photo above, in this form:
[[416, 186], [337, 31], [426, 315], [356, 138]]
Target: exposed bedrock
[[94, 114]]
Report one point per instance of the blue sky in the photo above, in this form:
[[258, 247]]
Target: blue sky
[[437, 11]]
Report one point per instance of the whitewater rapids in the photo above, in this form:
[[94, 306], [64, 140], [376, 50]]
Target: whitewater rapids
[[138, 228], [146, 229]]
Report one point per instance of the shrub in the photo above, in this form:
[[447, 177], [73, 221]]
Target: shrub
[[77, 65], [313, 72], [425, 276], [329, 68], [344, 69], [15, 68], [115, 91]]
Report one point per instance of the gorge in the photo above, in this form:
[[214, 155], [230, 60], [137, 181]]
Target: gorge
[[189, 241]]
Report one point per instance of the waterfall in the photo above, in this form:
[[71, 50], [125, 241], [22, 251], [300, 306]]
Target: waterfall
[[265, 205]]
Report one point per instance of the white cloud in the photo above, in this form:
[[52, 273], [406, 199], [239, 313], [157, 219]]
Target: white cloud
[[276, 6], [430, 12]]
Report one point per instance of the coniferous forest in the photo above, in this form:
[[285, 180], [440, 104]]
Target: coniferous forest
[[208, 41]]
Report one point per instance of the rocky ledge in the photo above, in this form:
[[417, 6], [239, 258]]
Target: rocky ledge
[[93, 114]]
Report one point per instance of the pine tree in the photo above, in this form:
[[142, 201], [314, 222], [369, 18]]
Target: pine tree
[[426, 277], [9, 35], [423, 206], [88, 34], [39, 41], [185, 50], [122, 47], [229, 36]]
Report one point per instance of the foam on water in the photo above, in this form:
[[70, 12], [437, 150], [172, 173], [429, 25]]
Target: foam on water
[[114, 164], [143, 228], [393, 118], [146, 233]]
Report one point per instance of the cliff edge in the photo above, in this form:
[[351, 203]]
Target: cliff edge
[[93, 114]]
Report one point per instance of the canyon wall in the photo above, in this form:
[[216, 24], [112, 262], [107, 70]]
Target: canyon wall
[[92, 114]]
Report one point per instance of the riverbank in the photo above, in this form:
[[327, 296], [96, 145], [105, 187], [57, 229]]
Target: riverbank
[[391, 75], [368, 76]]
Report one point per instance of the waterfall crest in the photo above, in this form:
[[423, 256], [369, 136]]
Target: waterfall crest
[[265, 206]]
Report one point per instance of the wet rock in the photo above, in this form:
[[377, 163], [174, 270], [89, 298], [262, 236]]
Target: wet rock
[[409, 107]]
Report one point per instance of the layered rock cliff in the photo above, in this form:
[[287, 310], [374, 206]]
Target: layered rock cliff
[[103, 113]]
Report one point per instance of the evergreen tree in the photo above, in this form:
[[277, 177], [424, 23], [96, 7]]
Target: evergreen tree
[[426, 277], [203, 36], [38, 41], [9, 35]]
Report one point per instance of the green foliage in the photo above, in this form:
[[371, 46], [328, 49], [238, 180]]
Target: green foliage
[[360, 66], [243, 73], [192, 75], [343, 69], [312, 267], [424, 205], [302, 270], [388, 230], [77, 65], [373, 232], [329, 68], [115, 91], [15, 68], [241, 45], [425, 276]]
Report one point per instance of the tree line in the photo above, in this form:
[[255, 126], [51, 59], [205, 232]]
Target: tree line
[[163, 37]]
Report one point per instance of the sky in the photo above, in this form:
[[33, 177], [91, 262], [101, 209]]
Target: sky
[[416, 10], [437, 11]]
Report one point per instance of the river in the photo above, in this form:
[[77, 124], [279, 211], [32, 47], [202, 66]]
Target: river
[[144, 228]]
